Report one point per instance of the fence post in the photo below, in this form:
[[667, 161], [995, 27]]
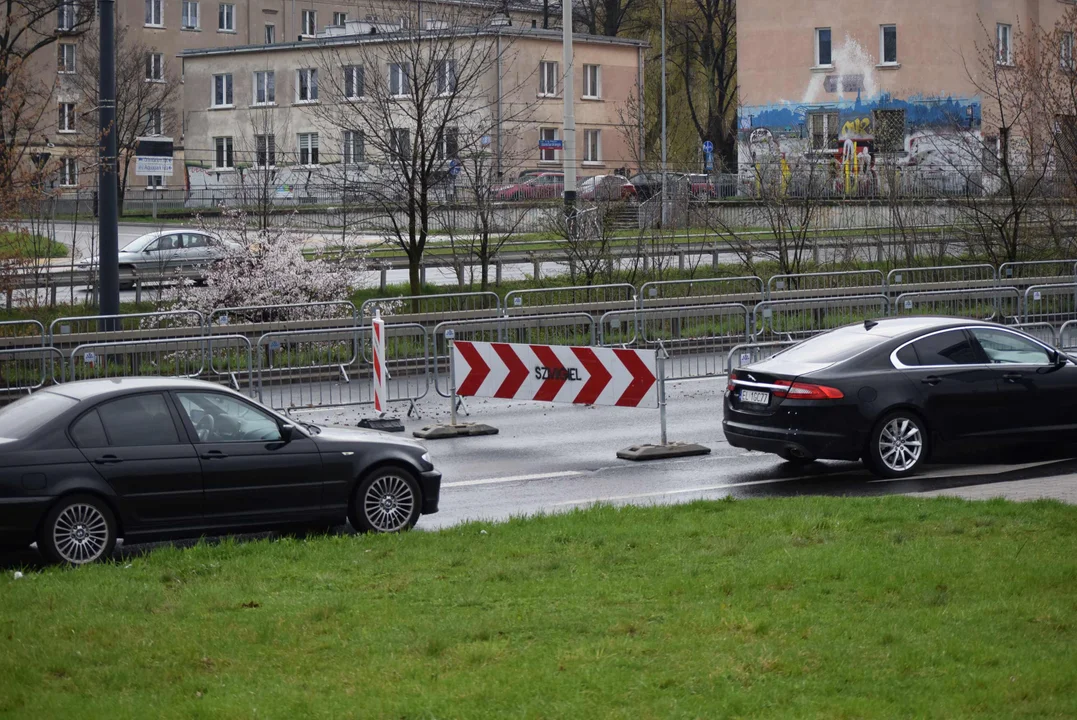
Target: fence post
[[714, 259], [662, 392], [498, 265], [450, 335], [537, 266], [422, 275], [383, 280]]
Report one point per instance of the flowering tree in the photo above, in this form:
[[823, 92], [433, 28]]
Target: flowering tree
[[266, 269]]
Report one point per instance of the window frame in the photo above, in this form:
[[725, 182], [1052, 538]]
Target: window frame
[[180, 429], [155, 122], [354, 75], [556, 154], [350, 141], [341, 16], [226, 12], [1065, 52], [548, 72], [446, 82], [155, 10], [596, 89], [189, 425], [270, 34], [882, 45], [69, 172], [63, 67], [186, 22], [308, 23], [65, 120], [402, 73], [310, 146], [592, 140], [267, 86], [1006, 61], [224, 147], [396, 146], [818, 59], [972, 339], [269, 151], [310, 83], [1048, 352], [155, 67], [67, 16], [227, 91]]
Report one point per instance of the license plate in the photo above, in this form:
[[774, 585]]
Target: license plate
[[755, 397]]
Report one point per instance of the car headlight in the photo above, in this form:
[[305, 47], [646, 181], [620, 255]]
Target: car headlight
[[426, 459]]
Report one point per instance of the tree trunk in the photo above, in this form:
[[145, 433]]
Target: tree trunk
[[414, 273]]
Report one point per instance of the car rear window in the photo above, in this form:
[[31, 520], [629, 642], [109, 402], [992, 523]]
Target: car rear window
[[834, 346], [22, 417]]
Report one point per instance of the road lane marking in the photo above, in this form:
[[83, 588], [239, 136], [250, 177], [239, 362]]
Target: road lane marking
[[514, 478]]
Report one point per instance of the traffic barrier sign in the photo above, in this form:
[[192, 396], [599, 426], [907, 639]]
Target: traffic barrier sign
[[381, 390], [553, 373]]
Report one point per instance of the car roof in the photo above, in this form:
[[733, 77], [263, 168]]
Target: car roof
[[899, 326], [87, 389]]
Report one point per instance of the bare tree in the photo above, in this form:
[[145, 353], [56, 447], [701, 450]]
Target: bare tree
[[603, 17], [147, 87], [417, 98]]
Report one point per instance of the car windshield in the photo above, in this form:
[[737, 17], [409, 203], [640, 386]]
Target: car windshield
[[139, 244], [834, 346], [21, 418]]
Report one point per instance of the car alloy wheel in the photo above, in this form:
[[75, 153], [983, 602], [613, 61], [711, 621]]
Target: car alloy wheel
[[898, 445], [387, 501], [78, 530]]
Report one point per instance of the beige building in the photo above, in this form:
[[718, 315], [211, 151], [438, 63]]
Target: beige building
[[327, 105], [169, 27], [891, 76]]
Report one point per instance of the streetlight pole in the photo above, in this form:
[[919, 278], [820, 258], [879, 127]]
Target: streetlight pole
[[107, 169], [569, 151], [665, 193]]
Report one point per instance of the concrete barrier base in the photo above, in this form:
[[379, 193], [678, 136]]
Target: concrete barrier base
[[383, 424], [662, 452], [440, 432]]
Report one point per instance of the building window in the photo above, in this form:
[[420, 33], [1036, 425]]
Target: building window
[[308, 148], [222, 90], [354, 87], [405, 23], [399, 79], [340, 18], [1004, 49], [154, 182], [271, 33], [66, 123], [446, 77], [354, 147], [309, 23], [592, 146], [69, 172], [265, 151], [224, 159], [306, 87], [400, 143], [155, 67], [265, 87], [65, 19], [1066, 51], [154, 122], [448, 146], [226, 17], [823, 55], [547, 78], [591, 81], [888, 44], [190, 14], [66, 58], [548, 154], [823, 126], [154, 14]]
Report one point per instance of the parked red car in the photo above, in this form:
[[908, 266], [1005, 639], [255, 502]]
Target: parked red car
[[544, 186]]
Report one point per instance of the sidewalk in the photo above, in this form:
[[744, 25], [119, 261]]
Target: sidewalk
[[1059, 487]]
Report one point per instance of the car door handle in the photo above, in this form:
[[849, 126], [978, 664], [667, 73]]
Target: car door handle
[[1011, 377], [108, 460], [931, 380], [213, 455]]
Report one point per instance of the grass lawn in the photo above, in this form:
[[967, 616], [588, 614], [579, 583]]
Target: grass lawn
[[24, 246], [802, 607]]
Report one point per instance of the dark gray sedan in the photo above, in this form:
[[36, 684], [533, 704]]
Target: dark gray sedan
[[84, 463]]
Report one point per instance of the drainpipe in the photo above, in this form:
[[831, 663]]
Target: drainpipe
[[639, 90], [499, 89]]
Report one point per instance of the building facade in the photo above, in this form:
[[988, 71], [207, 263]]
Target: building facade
[[332, 110], [855, 81]]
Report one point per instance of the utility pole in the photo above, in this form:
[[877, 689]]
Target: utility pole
[[569, 150], [108, 170], [665, 191]]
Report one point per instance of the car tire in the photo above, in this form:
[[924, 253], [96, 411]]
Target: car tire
[[78, 529], [898, 446], [387, 500]]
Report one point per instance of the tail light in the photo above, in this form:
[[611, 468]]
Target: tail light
[[806, 391]]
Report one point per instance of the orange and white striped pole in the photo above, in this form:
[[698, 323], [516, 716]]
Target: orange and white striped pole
[[381, 389]]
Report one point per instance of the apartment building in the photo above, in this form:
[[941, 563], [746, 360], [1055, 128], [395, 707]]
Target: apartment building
[[277, 106], [169, 27], [851, 78]]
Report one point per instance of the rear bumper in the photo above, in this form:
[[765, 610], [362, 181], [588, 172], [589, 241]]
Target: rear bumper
[[812, 444], [430, 482], [19, 518]]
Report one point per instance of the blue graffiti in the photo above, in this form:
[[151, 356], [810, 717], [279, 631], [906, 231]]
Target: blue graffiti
[[920, 112]]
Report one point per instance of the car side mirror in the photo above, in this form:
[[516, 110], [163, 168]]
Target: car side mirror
[[1060, 359], [287, 432]]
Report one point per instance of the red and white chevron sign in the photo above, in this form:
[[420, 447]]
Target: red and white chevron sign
[[553, 373]]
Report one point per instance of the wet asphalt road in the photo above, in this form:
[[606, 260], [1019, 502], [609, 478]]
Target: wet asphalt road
[[549, 458]]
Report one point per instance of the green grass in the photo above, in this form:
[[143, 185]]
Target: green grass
[[800, 608], [24, 246]]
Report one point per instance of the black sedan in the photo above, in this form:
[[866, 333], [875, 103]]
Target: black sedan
[[84, 463], [890, 392]]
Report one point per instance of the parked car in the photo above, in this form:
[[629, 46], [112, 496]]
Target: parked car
[[892, 391], [84, 463], [546, 185], [649, 184], [606, 187], [702, 187], [163, 250]]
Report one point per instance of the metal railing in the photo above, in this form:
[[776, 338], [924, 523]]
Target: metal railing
[[796, 319], [990, 304]]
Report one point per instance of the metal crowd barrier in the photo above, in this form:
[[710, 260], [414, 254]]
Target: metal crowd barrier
[[1001, 305], [23, 370], [23, 333], [277, 317], [1054, 303], [753, 352], [827, 284], [401, 309], [145, 326], [747, 289], [796, 319]]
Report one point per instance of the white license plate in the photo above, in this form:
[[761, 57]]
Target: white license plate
[[755, 397]]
